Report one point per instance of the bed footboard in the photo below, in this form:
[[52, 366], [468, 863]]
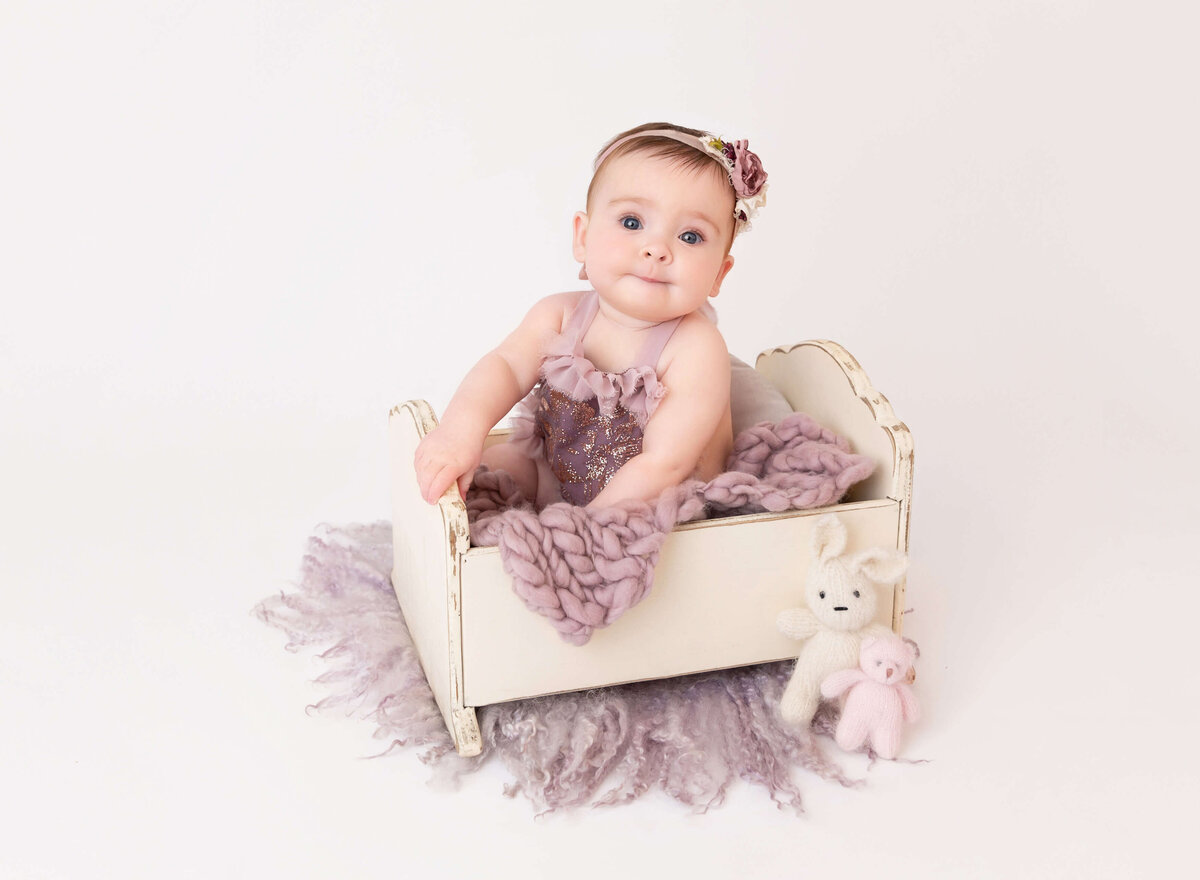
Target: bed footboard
[[428, 541]]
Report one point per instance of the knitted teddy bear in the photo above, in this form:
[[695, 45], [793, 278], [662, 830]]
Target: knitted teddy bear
[[840, 593], [878, 698]]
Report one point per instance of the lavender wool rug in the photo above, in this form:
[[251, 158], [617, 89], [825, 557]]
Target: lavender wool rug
[[690, 737]]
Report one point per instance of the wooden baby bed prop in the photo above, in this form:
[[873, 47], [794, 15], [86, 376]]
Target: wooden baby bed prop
[[718, 586]]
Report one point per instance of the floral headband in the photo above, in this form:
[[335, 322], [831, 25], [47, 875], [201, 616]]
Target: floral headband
[[745, 169]]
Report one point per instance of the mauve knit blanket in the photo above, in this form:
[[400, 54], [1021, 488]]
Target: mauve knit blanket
[[584, 568]]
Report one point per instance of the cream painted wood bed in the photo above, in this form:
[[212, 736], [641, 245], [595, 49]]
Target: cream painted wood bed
[[718, 587]]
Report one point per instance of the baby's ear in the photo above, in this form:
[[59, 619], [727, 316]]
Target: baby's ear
[[579, 236], [829, 537], [724, 270], [881, 565]]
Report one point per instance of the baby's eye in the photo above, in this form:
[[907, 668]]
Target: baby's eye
[[631, 222], [691, 237]]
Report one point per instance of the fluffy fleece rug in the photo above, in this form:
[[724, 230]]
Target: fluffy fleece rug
[[690, 737]]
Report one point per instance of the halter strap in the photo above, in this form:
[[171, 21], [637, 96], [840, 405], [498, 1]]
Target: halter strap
[[581, 319], [652, 348], [656, 341]]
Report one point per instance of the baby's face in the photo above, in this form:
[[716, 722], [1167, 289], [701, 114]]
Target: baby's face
[[655, 237]]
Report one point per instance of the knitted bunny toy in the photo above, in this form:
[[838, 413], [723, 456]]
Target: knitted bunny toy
[[878, 699], [840, 593]]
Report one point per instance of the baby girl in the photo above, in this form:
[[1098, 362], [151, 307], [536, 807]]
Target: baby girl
[[597, 426]]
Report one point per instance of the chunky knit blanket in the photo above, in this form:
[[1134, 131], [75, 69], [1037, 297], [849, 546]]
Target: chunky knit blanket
[[584, 568]]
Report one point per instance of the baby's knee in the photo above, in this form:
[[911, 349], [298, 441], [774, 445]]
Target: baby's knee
[[522, 468]]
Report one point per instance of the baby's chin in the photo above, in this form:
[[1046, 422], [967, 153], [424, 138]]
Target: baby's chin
[[653, 302]]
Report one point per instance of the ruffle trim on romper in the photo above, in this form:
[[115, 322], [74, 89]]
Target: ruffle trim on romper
[[565, 368]]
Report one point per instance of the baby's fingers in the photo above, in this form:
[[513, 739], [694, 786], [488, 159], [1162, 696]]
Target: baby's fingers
[[440, 483]]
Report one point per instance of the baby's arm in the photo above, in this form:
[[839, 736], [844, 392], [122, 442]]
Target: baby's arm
[[696, 373], [452, 450]]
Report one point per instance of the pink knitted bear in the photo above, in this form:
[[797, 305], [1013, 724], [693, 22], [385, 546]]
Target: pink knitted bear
[[879, 699]]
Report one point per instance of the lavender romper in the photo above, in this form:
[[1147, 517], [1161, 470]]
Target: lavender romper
[[581, 424]]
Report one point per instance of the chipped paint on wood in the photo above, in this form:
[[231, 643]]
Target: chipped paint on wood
[[467, 741], [428, 543]]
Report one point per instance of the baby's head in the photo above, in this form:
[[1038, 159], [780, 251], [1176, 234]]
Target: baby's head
[[731, 162], [663, 208]]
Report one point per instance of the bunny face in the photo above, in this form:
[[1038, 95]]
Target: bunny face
[[841, 598], [840, 589]]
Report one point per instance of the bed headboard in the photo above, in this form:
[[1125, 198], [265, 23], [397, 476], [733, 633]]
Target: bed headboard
[[824, 380]]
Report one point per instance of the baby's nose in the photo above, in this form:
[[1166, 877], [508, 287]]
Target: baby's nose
[[656, 251]]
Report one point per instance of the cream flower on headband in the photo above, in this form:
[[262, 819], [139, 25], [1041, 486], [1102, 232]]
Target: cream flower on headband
[[745, 173]]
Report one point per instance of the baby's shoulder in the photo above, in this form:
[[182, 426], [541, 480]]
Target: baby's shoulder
[[696, 346], [697, 337], [551, 312], [557, 307]]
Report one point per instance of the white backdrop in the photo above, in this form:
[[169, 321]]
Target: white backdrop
[[232, 235]]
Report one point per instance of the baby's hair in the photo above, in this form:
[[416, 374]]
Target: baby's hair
[[687, 157]]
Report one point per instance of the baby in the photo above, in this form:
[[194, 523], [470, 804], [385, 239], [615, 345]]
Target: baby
[[599, 427]]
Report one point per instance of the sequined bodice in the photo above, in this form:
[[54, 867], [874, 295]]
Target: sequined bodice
[[589, 422], [584, 447]]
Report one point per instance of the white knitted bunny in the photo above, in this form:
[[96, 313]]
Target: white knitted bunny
[[840, 592]]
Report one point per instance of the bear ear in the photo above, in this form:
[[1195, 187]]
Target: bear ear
[[881, 565], [829, 537]]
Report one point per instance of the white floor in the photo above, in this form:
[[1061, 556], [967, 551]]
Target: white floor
[[154, 728], [216, 284]]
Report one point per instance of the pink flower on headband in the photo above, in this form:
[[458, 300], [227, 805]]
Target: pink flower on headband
[[748, 177]]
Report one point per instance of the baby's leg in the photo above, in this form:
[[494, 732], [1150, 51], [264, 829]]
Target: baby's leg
[[523, 469]]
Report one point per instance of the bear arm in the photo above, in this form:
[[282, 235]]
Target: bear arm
[[797, 623], [837, 683], [908, 703]]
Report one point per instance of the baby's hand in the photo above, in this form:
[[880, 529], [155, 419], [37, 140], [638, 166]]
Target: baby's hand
[[442, 457]]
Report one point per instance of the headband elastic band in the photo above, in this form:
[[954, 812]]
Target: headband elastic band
[[682, 137]]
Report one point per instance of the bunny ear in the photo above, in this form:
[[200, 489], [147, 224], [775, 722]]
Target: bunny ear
[[829, 537], [881, 565]]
